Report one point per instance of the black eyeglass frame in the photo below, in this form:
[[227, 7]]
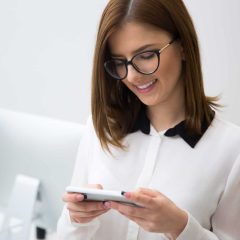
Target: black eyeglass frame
[[130, 62]]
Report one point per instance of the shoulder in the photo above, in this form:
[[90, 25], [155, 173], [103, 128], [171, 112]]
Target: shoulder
[[89, 127], [88, 134], [225, 128], [130, 138], [223, 135]]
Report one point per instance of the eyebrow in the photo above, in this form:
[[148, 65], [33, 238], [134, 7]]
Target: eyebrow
[[142, 48]]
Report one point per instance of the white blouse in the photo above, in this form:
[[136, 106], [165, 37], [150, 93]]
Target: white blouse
[[204, 181]]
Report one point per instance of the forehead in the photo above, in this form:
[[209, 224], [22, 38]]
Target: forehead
[[132, 35]]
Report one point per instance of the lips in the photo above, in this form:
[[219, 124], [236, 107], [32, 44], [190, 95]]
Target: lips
[[146, 87]]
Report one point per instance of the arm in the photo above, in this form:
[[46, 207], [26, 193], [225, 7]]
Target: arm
[[67, 230], [226, 219], [70, 228], [161, 215]]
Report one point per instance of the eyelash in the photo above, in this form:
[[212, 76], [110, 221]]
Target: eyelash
[[123, 59]]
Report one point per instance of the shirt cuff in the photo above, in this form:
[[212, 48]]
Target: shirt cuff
[[193, 230], [68, 230]]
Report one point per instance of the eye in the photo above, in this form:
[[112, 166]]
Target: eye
[[147, 55], [119, 64]]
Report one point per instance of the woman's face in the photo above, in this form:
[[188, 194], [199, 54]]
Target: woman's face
[[164, 85]]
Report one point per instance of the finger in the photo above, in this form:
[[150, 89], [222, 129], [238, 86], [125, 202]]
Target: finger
[[98, 186], [78, 219], [128, 210], [148, 192], [86, 206], [133, 218], [140, 199], [137, 220], [143, 223], [73, 197], [87, 214], [76, 197]]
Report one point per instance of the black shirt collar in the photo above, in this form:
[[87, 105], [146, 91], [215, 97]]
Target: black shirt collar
[[143, 124]]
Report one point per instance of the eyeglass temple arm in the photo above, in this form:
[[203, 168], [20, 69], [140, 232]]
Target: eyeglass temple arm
[[167, 45]]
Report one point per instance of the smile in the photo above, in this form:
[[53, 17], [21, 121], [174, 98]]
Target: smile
[[146, 87]]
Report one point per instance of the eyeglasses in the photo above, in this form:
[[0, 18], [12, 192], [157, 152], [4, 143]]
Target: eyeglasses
[[146, 63]]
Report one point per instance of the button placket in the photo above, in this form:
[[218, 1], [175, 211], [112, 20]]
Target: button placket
[[145, 177]]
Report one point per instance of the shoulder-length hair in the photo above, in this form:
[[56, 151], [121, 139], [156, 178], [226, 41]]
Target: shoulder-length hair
[[115, 108]]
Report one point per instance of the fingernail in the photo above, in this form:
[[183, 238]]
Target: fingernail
[[127, 194], [80, 197], [107, 205]]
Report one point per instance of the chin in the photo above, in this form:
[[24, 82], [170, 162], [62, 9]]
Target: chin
[[149, 102]]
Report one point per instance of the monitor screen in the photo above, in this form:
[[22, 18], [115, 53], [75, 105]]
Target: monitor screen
[[39, 147]]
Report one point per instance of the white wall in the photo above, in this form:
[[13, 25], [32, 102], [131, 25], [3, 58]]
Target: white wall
[[46, 52], [217, 23]]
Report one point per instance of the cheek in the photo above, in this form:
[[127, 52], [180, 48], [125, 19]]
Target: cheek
[[127, 84], [170, 69]]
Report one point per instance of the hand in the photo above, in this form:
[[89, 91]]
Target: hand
[[82, 211], [158, 214]]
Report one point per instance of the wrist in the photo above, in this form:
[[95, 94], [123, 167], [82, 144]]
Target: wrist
[[180, 225]]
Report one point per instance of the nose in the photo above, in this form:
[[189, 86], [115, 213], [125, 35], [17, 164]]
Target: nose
[[133, 74]]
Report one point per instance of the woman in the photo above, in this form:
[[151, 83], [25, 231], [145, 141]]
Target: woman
[[154, 134]]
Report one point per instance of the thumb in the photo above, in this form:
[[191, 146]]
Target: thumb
[[148, 192], [97, 186]]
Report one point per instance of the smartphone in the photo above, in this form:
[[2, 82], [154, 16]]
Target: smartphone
[[92, 194]]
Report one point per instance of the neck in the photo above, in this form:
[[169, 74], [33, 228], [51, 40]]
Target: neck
[[167, 114]]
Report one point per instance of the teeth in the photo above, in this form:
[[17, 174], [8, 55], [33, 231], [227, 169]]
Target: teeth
[[147, 85]]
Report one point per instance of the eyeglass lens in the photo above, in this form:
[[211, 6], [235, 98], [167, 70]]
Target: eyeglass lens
[[146, 63]]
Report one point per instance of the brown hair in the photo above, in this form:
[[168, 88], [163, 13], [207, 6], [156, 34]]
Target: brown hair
[[115, 108]]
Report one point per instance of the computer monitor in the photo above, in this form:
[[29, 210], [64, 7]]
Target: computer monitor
[[39, 147]]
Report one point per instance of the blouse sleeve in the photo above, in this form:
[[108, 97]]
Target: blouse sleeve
[[226, 219], [67, 230]]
